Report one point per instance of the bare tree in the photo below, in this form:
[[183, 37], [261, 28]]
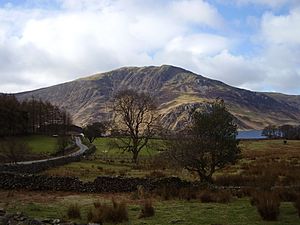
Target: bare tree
[[134, 122], [208, 144]]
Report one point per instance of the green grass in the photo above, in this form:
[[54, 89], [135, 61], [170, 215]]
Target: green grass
[[104, 147], [41, 144], [265, 145], [88, 170], [238, 212]]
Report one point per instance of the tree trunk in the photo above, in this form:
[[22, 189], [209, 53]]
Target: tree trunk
[[135, 157], [205, 178]]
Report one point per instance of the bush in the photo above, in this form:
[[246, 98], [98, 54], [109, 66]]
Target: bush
[[97, 204], [221, 196], [73, 211], [267, 204], [116, 213], [287, 195], [165, 193], [188, 193], [242, 192], [297, 205], [147, 210]]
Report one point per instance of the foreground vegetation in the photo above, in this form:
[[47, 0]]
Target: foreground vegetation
[[55, 205], [259, 160]]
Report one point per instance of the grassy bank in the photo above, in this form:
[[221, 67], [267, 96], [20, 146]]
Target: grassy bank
[[237, 212]]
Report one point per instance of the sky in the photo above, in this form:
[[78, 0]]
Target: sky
[[251, 44]]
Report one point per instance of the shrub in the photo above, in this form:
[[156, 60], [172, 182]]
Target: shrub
[[267, 204], [188, 193], [297, 205], [116, 213], [164, 192], [119, 212], [169, 192], [221, 196], [142, 192], [147, 209], [73, 211], [242, 192], [287, 195], [97, 204]]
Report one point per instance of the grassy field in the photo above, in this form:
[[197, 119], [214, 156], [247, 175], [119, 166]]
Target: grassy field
[[237, 212], [104, 147], [40, 146], [88, 170], [270, 157], [265, 161], [95, 166]]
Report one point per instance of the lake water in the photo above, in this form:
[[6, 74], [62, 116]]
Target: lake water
[[250, 134]]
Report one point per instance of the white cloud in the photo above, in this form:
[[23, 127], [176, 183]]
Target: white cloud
[[197, 11], [40, 47], [235, 70], [281, 38], [282, 29], [45, 47], [198, 44]]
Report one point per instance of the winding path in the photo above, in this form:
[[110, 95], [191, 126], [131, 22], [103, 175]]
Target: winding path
[[82, 149]]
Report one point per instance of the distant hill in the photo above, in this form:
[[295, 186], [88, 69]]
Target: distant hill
[[176, 90]]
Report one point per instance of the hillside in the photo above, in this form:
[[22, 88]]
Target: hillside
[[88, 99]]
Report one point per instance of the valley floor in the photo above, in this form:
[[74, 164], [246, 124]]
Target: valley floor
[[262, 163]]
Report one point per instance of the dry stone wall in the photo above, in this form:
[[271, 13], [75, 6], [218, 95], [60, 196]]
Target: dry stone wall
[[32, 182]]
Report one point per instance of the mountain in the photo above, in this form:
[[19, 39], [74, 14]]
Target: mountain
[[176, 89]]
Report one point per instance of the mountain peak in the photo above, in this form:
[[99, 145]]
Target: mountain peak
[[175, 89], [163, 70]]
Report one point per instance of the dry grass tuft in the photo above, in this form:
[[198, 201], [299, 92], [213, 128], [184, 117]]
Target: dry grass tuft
[[115, 213], [267, 204], [73, 211], [147, 209]]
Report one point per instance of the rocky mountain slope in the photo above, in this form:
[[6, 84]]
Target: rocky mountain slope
[[88, 99]]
